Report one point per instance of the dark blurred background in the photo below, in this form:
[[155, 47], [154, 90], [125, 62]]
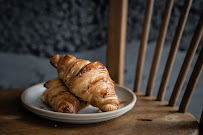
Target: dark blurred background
[[42, 28], [32, 31]]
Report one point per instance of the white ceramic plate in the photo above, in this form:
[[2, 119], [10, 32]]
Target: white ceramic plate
[[31, 100]]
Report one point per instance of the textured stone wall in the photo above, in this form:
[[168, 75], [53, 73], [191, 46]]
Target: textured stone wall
[[43, 28]]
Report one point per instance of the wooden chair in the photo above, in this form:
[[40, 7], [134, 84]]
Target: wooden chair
[[153, 115], [150, 115]]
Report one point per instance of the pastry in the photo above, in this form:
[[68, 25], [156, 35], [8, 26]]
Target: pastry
[[60, 99], [89, 81]]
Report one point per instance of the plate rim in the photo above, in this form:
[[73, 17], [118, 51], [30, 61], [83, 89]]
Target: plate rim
[[90, 115]]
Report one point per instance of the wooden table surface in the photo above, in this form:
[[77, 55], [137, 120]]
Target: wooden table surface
[[147, 117]]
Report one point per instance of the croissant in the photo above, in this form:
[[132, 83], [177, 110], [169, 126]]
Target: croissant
[[60, 99], [90, 81]]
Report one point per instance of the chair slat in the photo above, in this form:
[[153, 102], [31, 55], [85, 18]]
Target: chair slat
[[192, 83], [143, 44], [187, 61], [116, 39], [173, 50], [159, 46]]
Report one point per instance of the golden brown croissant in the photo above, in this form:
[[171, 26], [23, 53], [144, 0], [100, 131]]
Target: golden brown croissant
[[90, 81], [60, 99]]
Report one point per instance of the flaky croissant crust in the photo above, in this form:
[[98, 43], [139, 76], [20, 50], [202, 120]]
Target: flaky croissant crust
[[90, 81], [60, 99]]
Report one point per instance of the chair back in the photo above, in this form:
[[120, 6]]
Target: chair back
[[116, 51]]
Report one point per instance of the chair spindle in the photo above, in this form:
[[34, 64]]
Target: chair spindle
[[192, 83], [187, 61], [116, 39], [143, 44], [173, 50], [159, 46]]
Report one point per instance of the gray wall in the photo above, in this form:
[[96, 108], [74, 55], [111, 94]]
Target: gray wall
[[43, 28]]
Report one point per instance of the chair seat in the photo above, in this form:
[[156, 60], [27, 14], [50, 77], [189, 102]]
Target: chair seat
[[147, 117]]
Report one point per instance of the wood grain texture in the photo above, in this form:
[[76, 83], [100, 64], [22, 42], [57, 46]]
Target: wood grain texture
[[117, 39], [143, 44], [192, 83], [187, 61], [149, 117], [159, 47], [173, 50]]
